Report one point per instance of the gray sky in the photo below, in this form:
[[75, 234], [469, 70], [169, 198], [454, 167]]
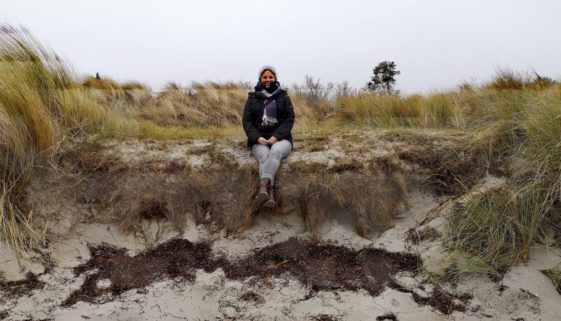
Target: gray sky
[[436, 44]]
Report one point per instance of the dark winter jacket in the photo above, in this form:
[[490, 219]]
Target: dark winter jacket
[[253, 114]]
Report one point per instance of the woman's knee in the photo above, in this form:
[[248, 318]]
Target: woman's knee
[[281, 149], [261, 152]]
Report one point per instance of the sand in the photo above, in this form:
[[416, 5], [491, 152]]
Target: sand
[[526, 292], [523, 294]]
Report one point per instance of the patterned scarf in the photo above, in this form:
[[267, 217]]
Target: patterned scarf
[[270, 104], [268, 91], [270, 113]]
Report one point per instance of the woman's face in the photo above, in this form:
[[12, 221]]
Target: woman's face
[[267, 78]]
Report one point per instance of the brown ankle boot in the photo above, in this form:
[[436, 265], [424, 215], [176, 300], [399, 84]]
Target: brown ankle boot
[[270, 203], [263, 193]]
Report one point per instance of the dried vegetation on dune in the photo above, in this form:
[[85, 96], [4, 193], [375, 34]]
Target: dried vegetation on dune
[[509, 128], [219, 193]]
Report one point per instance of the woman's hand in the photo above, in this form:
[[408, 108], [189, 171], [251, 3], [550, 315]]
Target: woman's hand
[[262, 141], [272, 140]]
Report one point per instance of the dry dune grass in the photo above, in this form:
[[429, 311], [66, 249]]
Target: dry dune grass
[[509, 80], [36, 111], [207, 104], [434, 111]]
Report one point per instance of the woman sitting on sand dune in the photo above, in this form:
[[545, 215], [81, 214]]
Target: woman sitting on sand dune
[[268, 118]]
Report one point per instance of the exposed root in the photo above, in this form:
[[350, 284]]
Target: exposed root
[[251, 296], [221, 196], [416, 236], [387, 316], [439, 299], [374, 196], [325, 317]]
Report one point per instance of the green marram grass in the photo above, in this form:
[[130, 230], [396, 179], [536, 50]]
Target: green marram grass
[[500, 225]]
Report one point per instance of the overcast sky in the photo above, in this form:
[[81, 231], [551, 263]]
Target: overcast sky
[[436, 44]]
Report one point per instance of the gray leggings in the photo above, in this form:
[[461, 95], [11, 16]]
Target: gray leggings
[[270, 157]]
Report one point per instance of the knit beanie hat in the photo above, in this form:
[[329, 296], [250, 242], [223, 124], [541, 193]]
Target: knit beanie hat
[[269, 68]]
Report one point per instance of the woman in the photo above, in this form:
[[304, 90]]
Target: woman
[[268, 118]]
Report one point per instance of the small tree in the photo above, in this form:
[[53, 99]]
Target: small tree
[[383, 78]]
